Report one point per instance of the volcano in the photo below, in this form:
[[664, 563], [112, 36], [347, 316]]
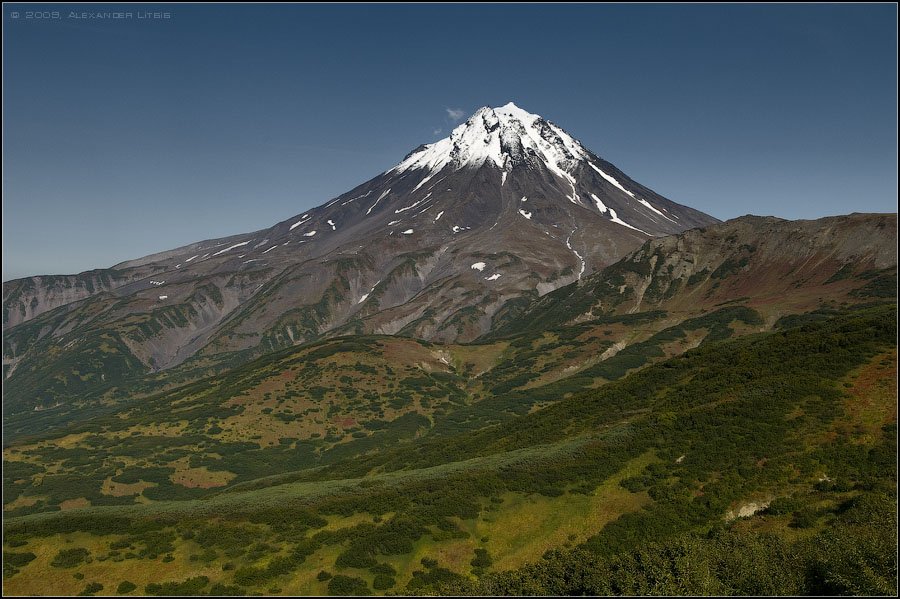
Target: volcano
[[507, 208]]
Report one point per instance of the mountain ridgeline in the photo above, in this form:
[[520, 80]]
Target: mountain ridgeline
[[777, 266]]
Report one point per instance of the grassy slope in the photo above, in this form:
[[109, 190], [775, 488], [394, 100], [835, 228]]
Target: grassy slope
[[316, 404], [785, 409]]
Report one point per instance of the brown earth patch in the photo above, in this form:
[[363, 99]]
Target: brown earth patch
[[872, 400], [199, 478], [22, 501], [74, 504], [115, 489]]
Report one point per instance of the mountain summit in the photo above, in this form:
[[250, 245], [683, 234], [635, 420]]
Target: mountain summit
[[513, 141], [508, 207], [507, 136]]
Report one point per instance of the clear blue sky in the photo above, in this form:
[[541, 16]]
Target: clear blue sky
[[127, 137]]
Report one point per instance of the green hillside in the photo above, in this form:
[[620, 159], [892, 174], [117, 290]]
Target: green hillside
[[322, 403], [762, 463]]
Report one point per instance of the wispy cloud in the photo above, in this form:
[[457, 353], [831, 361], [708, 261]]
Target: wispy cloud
[[437, 131], [455, 113]]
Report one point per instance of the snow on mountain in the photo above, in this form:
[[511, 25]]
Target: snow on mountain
[[508, 137], [505, 136]]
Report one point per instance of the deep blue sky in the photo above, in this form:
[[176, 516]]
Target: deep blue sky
[[123, 138]]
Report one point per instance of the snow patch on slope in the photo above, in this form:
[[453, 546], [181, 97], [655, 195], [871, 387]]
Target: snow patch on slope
[[600, 205], [619, 221], [424, 181], [610, 179], [353, 199], [299, 222], [647, 204], [366, 295], [411, 206], [237, 245], [381, 197], [577, 255]]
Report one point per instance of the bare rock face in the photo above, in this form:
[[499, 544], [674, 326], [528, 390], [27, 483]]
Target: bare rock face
[[24, 299], [508, 206]]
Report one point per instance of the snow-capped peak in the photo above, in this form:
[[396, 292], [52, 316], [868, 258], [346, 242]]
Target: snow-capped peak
[[506, 136], [512, 110]]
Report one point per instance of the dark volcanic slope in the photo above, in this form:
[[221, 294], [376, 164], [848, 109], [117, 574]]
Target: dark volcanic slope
[[508, 205]]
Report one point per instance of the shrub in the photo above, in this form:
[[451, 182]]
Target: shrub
[[17, 559], [69, 558], [90, 589], [346, 585], [13, 561], [383, 582], [248, 576], [782, 505], [126, 586], [386, 569], [230, 590], [482, 559], [804, 518], [191, 586]]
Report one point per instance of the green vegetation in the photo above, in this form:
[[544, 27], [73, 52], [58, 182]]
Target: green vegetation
[[346, 585], [852, 558], [125, 587], [12, 561], [69, 558], [881, 284], [654, 460], [191, 586], [90, 589]]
